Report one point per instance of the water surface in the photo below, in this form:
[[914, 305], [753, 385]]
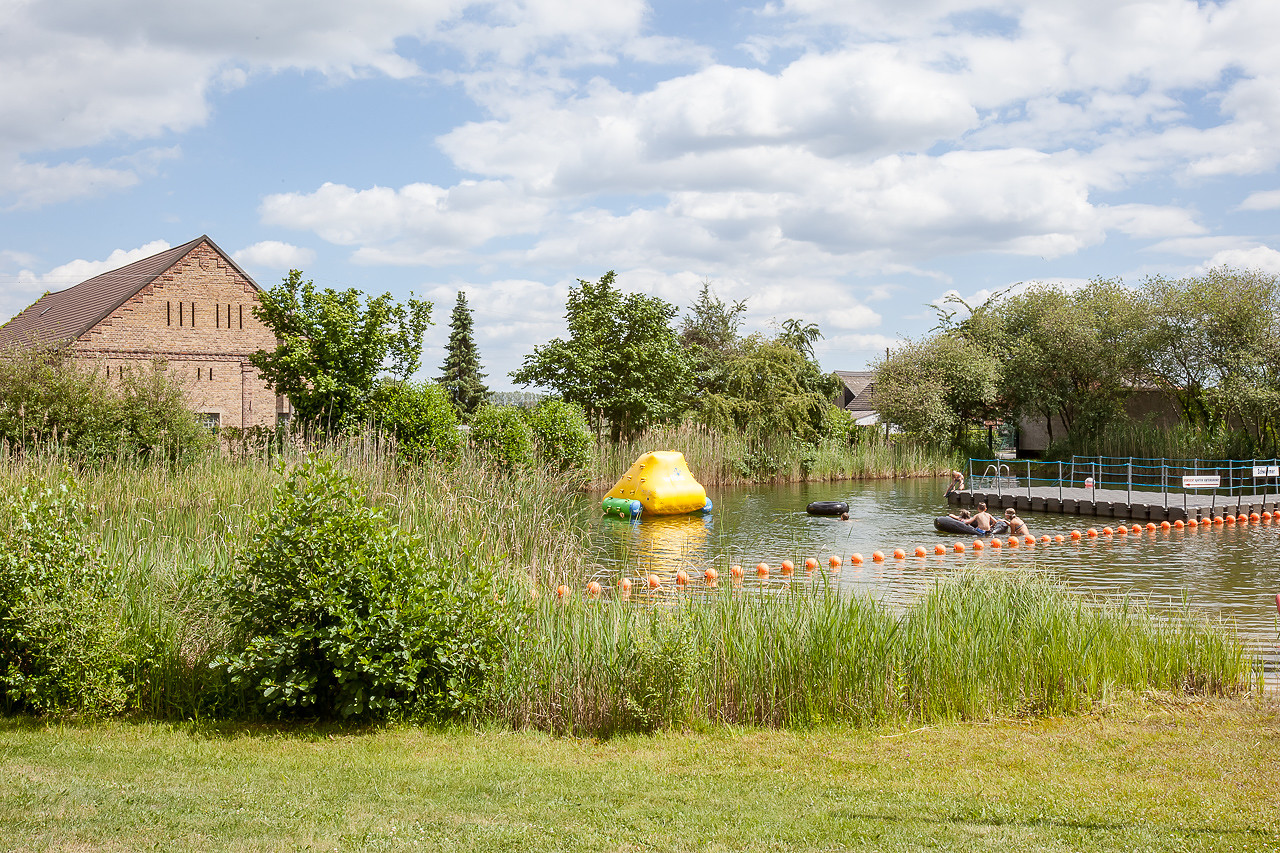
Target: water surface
[[1231, 573]]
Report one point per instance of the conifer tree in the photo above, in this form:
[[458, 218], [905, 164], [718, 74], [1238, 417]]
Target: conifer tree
[[461, 377]]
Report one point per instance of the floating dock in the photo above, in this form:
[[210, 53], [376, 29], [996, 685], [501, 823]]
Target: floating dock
[[1117, 503]]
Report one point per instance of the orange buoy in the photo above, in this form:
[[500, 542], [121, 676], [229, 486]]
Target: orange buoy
[[1093, 532], [1217, 519], [959, 547], [787, 567], [921, 552], [682, 578], [594, 589], [877, 556], [977, 545], [995, 543], [810, 564], [1045, 539], [938, 549], [655, 582], [1075, 534], [834, 561], [855, 559], [1058, 538], [1266, 515], [1278, 602], [1255, 517], [1191, 522], [1137, 528], [1178, 524], [1122, 530], [899, 554], [711, 576], [1013, 541], [762, 570], [736, 572], [624, 587], [1164, 525], [1151, 525], [1229, 519], [1107, 531], [563, 591]]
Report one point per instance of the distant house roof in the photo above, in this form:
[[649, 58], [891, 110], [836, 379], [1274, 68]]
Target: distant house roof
[[858, 395], [62, 317]]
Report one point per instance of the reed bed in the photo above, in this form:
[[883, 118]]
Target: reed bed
[[973, 647], [722, 458], [976, 646]]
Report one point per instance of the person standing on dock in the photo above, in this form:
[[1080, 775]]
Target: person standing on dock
[[983, 520], [1017, 527], [957, 484]]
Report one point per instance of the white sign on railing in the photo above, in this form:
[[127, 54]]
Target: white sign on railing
[[1201, 482], [1260, 471]]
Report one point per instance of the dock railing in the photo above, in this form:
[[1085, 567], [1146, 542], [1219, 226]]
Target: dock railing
[[1175, 479]]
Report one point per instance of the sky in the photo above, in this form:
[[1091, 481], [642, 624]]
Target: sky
[[848, 163]]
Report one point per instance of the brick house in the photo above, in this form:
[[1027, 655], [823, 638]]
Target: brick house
[[188, 307]]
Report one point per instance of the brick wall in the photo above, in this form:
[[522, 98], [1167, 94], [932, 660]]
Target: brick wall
[[196, 316]]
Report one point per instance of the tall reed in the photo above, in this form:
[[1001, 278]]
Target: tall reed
[[975, 646]]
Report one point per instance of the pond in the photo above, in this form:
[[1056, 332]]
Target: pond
[[1227, 572]]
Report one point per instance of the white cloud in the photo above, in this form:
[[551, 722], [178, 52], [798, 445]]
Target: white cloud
[[272, 254], [1262, 258], [1261, 200]]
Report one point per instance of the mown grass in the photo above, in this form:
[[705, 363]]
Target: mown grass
[[1149, 774]]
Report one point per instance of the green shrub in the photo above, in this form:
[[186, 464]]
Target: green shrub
[[503, 435], [341, 613], [563, 437], [46, 397], [62, 646], [420, 416]]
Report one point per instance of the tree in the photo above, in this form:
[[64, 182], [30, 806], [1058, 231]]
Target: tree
[[622, 362], [333, 345], [461, 376], [420, 417], [769, 389], [935, 387], [710, 337]]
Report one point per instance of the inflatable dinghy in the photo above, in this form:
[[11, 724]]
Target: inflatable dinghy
[[947, 524], [827, 508]]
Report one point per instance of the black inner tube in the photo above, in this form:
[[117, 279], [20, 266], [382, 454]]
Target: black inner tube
[[827, 508]]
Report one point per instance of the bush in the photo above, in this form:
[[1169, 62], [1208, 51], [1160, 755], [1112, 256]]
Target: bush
[[48, 397], [62, 645], [420, 416], [341, 614], [563, 438], [502, 434]]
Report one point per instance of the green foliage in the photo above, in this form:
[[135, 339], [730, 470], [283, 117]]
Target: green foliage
[[622, 362], [461, 376], [420, 416], [47, 397], [562, 435], [710, 337], [333, 346], [770, 388], [657, 676], [62, 646], [502, 434], [934, 388], [341, 614]]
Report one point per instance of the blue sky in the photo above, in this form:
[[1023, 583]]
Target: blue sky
[[845, 162]]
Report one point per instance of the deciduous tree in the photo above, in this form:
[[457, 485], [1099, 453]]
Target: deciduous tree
[[332, 346]]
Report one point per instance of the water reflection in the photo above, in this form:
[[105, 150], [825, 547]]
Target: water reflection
[[1228, 572]]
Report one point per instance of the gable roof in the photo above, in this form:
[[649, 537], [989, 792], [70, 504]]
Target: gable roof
[[860, 388], [62, 317]]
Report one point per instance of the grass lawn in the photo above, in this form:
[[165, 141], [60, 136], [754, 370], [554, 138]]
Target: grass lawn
[[1154, 774]]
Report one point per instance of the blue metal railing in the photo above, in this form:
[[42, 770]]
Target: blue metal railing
[[1176, 478]]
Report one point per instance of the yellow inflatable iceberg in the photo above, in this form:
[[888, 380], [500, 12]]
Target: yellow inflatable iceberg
[[659, 483]]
